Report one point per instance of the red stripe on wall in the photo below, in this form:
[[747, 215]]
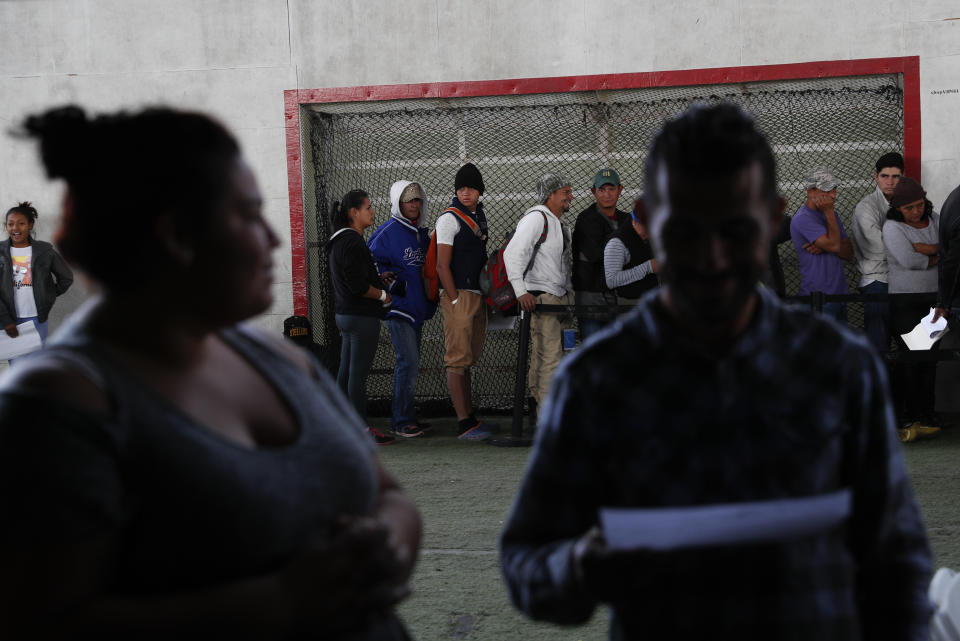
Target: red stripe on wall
[[911, 117], [298, 245]]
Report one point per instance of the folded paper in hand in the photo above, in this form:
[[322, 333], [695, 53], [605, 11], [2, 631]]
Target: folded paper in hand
[[723, 523], [926, 333], [27, 341]]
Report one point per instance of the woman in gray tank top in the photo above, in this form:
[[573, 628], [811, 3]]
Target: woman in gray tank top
[[166, 472]]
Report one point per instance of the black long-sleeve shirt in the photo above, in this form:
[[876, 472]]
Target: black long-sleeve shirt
[[353, 271], [949, 266]]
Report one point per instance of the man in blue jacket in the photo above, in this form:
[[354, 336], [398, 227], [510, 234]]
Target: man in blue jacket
[[399, 247]]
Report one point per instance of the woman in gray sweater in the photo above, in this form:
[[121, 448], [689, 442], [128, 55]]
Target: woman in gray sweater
[[911, 237]]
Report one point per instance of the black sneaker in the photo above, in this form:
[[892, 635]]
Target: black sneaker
[[407, 431], [379, 437]]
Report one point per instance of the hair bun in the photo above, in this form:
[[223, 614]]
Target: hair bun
[[62, 133]]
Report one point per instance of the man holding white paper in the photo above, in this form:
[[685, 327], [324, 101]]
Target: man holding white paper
[[708, 395]]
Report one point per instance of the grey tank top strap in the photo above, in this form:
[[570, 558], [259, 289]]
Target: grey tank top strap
[[258, 350], [75, 349]]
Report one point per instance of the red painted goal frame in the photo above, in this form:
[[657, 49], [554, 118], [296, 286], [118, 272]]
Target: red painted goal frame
[[908, 66]]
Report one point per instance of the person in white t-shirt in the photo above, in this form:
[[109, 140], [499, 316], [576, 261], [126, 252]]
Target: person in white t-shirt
[[32, 274]]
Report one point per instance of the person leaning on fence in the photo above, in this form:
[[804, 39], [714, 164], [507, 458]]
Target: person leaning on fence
[[821, 242], [547, 281], [594, 226], [867, 229], [911, 238], [731, 396], [461, 254], [399, 247], [360, 298], [629, 267]]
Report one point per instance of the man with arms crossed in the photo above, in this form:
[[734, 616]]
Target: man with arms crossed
[[730, 397], [821, 242]]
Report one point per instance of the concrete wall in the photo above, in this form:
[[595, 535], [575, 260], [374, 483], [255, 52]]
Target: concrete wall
[[234, 58]]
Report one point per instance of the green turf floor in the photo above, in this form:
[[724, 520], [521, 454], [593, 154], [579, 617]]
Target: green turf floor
[[464, 491]]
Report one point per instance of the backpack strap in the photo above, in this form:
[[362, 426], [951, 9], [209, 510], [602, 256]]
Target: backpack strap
[[474, 227], [536, 247]]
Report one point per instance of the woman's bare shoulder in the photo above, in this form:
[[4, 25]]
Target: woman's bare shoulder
[[58, 380]]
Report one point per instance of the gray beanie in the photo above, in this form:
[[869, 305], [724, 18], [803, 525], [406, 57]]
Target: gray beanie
[[549, 183]]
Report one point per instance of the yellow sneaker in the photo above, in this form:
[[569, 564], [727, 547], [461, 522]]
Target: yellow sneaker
[[907, 434], [925, 430]]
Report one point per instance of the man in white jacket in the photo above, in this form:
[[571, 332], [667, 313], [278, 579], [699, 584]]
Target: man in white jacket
[[542, 275]]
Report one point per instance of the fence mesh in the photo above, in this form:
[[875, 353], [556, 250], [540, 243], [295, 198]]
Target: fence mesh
[[842, 123]]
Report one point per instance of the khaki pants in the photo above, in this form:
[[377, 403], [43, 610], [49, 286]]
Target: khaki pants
[[464, 329], [546, 343]]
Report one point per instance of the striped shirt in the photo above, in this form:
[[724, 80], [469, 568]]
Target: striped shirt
[[642, 417], [615, 256]]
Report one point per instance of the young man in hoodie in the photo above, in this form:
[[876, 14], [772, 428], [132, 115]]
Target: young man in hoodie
[[461, 254], [399, 247], [548, 279]]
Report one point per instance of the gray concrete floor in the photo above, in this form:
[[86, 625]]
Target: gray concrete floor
[[464, 491]]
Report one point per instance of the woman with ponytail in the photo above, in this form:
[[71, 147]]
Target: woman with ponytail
[[166, 470], [32, 274], [360, 298]]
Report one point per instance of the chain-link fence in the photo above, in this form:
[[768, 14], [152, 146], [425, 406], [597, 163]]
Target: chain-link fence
[[841, 123]]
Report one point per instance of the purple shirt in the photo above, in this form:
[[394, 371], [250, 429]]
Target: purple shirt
[[820, 272]]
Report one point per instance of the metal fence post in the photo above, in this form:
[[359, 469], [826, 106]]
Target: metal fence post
[[816, 301], [516, 438]]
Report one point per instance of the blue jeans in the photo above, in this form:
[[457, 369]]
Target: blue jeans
[[837, 310], [590, 325], [406, 343], [41, 329], [357, 349], [876, 317]]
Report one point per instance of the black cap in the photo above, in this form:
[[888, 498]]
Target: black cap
[[297, 328], [468, 176]]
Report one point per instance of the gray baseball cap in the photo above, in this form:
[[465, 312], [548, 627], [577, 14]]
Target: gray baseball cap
[[820, 178]]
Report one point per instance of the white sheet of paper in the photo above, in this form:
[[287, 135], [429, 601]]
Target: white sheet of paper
[[28, 341], [722, 523], [926, 333]]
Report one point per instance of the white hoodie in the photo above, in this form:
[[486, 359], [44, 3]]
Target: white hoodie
[[395, 190]]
